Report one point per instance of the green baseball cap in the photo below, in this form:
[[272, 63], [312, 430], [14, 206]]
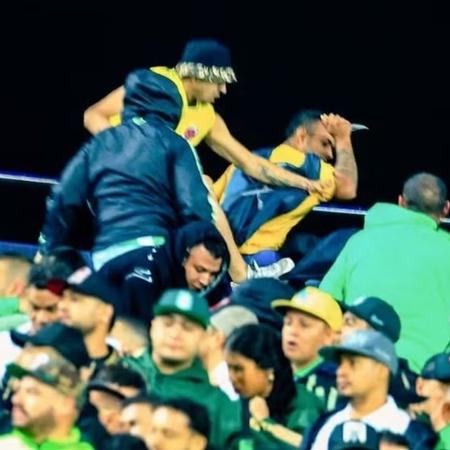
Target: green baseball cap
[[184, 302]]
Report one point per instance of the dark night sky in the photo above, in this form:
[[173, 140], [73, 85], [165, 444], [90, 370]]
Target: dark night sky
[[379, 63]]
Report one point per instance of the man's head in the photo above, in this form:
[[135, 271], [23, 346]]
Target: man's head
[[136, 415], [366, 359], [203, 263], [425, 193], [311, 320], [46, 284], [179, 424], [205, 68], [46, 388], [307, 133], [434, 384], [110, 386], [223, 322], [14, 271], [367, 313], [201, 250], [393, 441], [88, 302], [181, 318]]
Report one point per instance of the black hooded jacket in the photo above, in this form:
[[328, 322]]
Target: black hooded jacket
[[139, 179]]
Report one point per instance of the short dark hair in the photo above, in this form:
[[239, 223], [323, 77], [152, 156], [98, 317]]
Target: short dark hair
[[121, 375], [425, 193], [393, 438], [198, 414], [262, 344], [306, 118], [142, 399], [58, 264], [217, 248]]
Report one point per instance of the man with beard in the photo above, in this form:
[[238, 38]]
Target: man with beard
[[45, 402]]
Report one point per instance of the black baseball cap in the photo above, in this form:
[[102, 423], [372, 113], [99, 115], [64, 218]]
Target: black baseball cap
[[437, 368], [378, 313], [67, 341]]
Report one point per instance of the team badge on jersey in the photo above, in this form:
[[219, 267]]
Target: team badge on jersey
[[191, 132]]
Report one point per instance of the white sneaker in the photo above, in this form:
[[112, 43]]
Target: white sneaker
[[275, 270]]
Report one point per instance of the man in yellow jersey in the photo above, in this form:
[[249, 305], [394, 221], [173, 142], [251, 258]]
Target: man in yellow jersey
[[201, 77], [261, 216]]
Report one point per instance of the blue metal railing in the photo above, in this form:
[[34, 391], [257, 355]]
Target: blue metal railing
[[326, 209]]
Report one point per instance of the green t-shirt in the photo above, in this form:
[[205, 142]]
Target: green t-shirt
[[20, 440], [444, 439], [402, 257]]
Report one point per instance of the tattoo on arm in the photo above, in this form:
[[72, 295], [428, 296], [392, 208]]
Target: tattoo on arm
[[346, 164]]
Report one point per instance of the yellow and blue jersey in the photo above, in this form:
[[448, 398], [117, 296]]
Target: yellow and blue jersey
[[194, 121], [261, 216]]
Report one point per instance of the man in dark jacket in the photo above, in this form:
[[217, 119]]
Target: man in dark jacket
[[141, 180]]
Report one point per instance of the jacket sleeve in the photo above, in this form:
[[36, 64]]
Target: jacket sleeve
[[64, 203], [193, 199]]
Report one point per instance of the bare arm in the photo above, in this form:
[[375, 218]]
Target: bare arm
[[225, 145], [96, 117], [346, 170]]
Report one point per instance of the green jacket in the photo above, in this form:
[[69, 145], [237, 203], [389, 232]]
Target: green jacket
[[402, 257], [73, 442], [444, 439], [300, 414], [193, 383]]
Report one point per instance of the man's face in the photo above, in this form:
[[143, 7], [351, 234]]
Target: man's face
[[136, 419], [319, 141], [175, 338], [201, 268], [34, 405], [358, 375], [434, 391], [353, 323], [108, 408], [302, 337], [170, 430], [207, 92], [41, 307], [80, 311]]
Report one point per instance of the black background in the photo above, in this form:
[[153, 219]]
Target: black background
[[379, 63]]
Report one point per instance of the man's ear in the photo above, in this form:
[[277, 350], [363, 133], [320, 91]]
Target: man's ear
[[402, 201], [299, 135], [446, 411], [446, 209]]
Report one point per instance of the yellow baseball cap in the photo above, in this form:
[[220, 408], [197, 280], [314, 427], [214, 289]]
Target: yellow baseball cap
[[313, 301]]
